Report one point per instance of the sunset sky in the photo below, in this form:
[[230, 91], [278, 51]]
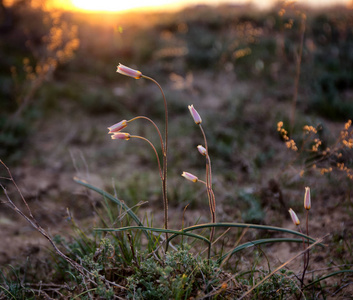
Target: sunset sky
[[120, 5]]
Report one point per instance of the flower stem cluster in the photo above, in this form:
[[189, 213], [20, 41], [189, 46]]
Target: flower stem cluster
[[204, 151], [296, 221], [116, 134]]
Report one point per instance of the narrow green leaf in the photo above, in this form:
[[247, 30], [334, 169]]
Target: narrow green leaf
[[257, 242], [8, 292], [327, 276], [244, 225], [117, 201], [175, 232]]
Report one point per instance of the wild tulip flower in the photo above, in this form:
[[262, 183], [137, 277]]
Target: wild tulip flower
[[189, 176], [121, 136], [128, 71], [195, 114], [294, 217], [202, 150], [118, 126], [307, 199]]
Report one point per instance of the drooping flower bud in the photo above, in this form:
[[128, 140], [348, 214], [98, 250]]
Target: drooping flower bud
[[121, 136], [128, 71], [294, 217], [189, 176], [202, 150], [307, 199], [118, 126], [195, 114]]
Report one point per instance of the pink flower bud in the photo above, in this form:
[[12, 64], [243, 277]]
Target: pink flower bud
[[118, 126], [190, 177], [195, 114], [307, 199], [202, 150], [121, 136], [294, 217], [129, 72]]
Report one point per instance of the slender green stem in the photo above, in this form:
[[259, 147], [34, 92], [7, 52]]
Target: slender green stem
[[199, 180], [155, 126], [164, 179], [210, 194], [306, 255], [154, 149]]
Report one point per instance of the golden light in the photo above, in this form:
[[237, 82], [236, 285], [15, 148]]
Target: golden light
[[118, 5]]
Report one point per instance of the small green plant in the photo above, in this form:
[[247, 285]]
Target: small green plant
[[281, 285], [180, 275]]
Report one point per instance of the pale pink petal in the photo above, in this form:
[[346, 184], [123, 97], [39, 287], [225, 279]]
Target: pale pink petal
[[195, 114], [189, 176], [128, 71]]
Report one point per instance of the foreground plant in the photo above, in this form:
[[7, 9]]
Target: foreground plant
[[115, 130], [204, 151], [296, 221]]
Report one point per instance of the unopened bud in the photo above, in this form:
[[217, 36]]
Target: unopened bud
[[121, 136], [307, 199], [189, 176], [202, 150], [128, 71], [195, 114], [294, 217], [118, 126]]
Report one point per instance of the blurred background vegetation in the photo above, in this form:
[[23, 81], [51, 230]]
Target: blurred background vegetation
[[244, 70], [48, 57], [237, 65]]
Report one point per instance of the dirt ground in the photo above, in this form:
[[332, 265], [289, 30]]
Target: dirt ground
[[72, 143]]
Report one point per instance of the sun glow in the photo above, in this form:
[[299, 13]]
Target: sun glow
[[117, 5]]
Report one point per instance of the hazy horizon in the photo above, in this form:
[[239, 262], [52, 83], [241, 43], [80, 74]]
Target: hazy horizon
[[118, 6]]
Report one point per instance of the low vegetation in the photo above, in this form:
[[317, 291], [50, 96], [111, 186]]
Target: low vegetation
[[252, 108]]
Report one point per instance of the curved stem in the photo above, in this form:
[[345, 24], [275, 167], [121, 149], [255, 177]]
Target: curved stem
[[199, 180], [155, 126], [154, 149], [245, 225], [164, 179], [306, 255], [305, 258], [210, 194]]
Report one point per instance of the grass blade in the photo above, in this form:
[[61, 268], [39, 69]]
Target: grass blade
[[117, 201], [244, 225], [257, 242], [327, 276], [174, 232]]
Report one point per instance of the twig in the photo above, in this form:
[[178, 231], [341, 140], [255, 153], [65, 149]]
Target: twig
[[283, 265], [31, 220]]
